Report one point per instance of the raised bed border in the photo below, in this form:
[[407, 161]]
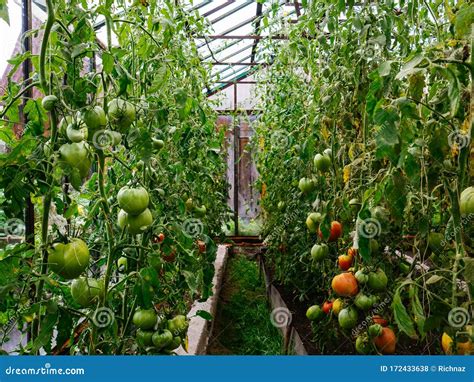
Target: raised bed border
[[291, 338], [200, 330]]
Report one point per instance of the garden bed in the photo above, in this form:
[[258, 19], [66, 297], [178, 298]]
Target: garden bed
[[200, 329]]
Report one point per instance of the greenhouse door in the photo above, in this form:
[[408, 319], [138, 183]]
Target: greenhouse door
[[242, 173]]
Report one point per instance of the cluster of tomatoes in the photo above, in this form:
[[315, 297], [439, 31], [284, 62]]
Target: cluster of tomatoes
[[156, 334], [358, 294]]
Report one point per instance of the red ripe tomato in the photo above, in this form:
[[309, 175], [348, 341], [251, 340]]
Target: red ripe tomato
[[376, 319], [345, 284], [345, 262], [201, 246], [336, 231], [352, 252], [327, 307], [169, 257], [386, 342], [159, 238]]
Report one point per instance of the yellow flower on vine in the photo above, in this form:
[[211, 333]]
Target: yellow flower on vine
[[452, 42], [454, 150], [325, 133], [346, 174], [466, 125]]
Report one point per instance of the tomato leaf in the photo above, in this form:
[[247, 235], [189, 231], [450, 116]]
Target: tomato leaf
[[203, 314], [401, 316], [107, 62], [417, 311], [4, 11], [469, 270]]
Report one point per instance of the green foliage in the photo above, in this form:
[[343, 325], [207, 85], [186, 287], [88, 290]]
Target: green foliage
[[153, 65], [386, 87]]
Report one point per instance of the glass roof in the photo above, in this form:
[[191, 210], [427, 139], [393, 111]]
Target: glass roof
[[234, 44]]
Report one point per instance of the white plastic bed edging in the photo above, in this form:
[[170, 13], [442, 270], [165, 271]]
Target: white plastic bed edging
[[200, 329]]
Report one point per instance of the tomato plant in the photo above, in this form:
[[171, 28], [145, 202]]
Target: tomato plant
[[112, 151], [379, 121]]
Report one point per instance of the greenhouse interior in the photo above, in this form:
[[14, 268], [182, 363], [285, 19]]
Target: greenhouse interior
[[236, 177]]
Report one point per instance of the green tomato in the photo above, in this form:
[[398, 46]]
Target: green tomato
[[375, 330], [133, 200], [158, 144], [145, 319], [281, 206], [347, 318], [319, 252], [306, 185], [121, 114], [361, 276], [87, 291], [122, 264], [377, 280], [77, 155], [174, 344], [63, 124], [363, 302], [69, 260], [374, 246], [49, 102], [435, 241], [162, 339], [314, 313], [189, 204], [116, 137], [363, 345], [135, 224], [94, 118], [322, 162], [466, 201], [313, 220], [178, 325], [328, 152], [76, 132], [200, 211], [144, 338]]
